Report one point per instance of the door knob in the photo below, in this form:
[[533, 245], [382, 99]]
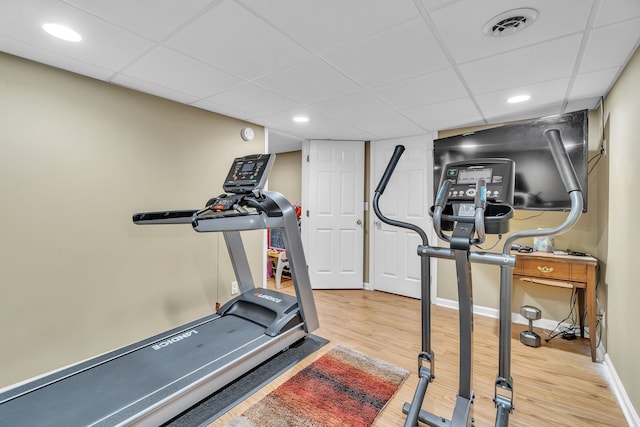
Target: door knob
[[359, 222]]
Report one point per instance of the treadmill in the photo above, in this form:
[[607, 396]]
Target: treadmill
[[152, 381]]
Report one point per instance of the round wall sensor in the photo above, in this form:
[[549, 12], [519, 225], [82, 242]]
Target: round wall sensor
[[247, 134]]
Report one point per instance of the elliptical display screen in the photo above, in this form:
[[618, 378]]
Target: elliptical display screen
[[471, 176]]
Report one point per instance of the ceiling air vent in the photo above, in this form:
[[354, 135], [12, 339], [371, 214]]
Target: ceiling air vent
[[510, 22]]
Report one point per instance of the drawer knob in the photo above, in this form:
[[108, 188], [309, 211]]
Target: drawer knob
[[545, 269]]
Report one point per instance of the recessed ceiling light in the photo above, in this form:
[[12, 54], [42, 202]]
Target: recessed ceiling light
[[62, 32], [300, 119], [518, 98]]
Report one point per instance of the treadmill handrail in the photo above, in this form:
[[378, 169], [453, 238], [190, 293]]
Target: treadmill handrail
[[164, 217]]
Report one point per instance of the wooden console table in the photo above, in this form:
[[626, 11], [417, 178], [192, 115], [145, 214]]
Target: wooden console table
[[564, 271]]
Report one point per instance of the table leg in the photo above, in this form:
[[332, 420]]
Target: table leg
[[581, 310], [591, 309]]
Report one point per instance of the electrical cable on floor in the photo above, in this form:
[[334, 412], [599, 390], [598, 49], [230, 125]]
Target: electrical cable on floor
[[565, 330]]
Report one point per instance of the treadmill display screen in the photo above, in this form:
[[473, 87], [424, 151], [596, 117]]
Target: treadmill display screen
[[248, 167], [248, 173]]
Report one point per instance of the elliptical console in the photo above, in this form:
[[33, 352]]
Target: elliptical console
[[481, 183]]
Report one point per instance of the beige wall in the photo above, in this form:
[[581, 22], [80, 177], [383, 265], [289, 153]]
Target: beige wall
[[77, 158], [620, 249], [286, 176]]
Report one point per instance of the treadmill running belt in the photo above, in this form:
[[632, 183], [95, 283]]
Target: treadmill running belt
[[108, 393]]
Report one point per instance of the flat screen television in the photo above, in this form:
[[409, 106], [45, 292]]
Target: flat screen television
[[538, 185]]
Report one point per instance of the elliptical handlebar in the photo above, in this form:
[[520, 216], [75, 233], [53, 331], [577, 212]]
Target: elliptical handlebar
[[571, 183], [382, 185], [443, 194], [480, 202], [440, 202], [393, 162], [561, 158]]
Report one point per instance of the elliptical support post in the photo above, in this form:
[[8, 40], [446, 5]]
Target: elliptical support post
[[426, 358], [503, 394], [504, 383]]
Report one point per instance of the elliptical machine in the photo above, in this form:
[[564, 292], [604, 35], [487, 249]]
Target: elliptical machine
[[475, 198]]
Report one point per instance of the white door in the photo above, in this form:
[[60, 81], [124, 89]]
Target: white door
[[395, 265], [333, 207]]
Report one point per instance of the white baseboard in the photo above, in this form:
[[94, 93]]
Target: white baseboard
[[494, 313], [616, 385], [367, 286], [621, 394]]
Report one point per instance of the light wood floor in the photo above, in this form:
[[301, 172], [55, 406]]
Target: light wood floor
[[555, 384]]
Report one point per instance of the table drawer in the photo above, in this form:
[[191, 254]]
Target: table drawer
[[551, 269]]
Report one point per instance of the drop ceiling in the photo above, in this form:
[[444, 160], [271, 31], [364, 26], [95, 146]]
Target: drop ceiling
[[359, 69]]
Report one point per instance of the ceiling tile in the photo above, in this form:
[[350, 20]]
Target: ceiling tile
[[494, 105], [404, 51], [582, 104], [397, 129], [319, 126], [612, 11], [431, 5], [595, 84], [322, 25], [166, 68], [535, 112], [539, 63], [445, 115], [103, 45], [365, 111], [426, 89], [253, 100], [460, 25], [600, 53], [220, 109], [153, 19], [152, 89], [309, 81], [53, 59], [232, 39]]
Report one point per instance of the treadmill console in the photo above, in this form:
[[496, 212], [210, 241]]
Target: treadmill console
[[248, 173]]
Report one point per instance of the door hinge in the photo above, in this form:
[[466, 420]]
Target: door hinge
[[307, 213], [307, 158]]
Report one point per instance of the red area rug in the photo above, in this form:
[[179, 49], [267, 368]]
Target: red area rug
[[341, 388]]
